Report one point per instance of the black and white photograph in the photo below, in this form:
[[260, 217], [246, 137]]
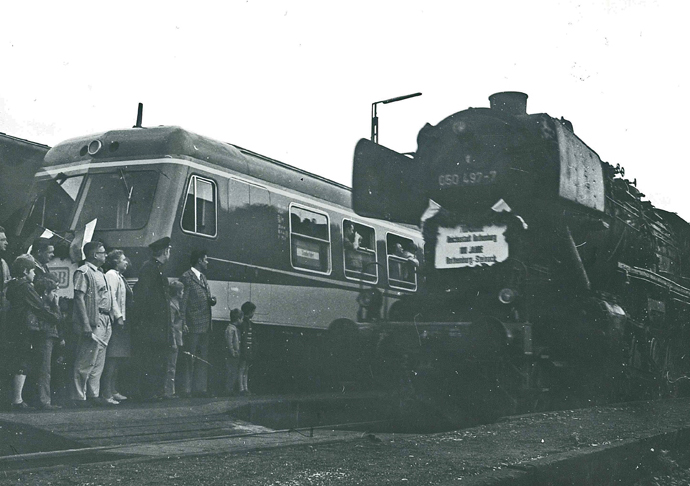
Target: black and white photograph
[[304, 243]]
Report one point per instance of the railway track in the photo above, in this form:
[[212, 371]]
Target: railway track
[[149, 431], [584, 446]]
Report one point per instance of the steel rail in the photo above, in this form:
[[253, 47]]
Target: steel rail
[[34, 456]]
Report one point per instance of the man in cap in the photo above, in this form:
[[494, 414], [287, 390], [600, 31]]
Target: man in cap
[[152, 309], [91, 321]]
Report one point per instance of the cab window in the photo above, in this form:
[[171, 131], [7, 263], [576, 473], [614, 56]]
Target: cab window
[[310, 240], [119, 200], [359, 251], [402, 262], [54, 204], [199, 215]]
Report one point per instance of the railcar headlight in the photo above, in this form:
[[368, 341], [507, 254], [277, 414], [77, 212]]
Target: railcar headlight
[[95, 146], [507, 296]]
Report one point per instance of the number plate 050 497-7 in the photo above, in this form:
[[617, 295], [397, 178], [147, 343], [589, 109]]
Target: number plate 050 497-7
[[466, 179]]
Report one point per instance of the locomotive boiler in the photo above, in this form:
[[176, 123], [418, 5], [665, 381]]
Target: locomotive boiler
[[546, 272]]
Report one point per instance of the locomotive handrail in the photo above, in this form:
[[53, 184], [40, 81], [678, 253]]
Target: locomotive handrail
[[654, 277]]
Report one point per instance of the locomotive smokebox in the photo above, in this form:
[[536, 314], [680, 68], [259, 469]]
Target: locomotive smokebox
[[510, 102]]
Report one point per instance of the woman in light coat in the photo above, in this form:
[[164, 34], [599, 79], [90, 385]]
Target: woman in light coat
[[119, 347]]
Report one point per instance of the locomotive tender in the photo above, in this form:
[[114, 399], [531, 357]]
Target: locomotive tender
[[546, 270]]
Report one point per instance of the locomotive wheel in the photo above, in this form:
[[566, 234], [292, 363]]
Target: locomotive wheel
[[391, 365], [538, 389], [343, 353], [672, 376]]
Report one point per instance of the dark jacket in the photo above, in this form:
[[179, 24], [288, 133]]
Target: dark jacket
[[247, 340], [27, 311], [49, 328], [151, 305]]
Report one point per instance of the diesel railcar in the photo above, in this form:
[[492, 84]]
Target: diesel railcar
[[547, 272], [281, 237]]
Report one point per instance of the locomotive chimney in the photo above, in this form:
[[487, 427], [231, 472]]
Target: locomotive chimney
[[510, 102]]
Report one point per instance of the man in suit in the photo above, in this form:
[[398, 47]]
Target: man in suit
[[196, 308], [152, 321]]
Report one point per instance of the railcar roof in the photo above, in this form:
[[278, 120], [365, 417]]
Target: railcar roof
[[22, 140], [134, 143]]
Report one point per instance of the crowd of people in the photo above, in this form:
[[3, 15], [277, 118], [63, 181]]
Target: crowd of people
[[151, 327]]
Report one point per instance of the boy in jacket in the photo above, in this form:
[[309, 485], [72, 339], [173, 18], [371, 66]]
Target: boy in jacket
[[232, 353], [26, 309]]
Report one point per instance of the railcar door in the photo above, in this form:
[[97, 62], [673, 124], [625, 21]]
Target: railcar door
[[237, 242], [262, 250]]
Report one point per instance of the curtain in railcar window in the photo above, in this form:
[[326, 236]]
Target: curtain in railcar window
[[310, 240]]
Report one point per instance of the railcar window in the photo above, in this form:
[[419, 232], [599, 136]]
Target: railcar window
[[402, 262], [120, 200], [310, 240], [359, 251], [200, 207], [54, 204]]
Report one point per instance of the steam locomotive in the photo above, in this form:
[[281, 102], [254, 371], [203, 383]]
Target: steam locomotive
[[547, 274]]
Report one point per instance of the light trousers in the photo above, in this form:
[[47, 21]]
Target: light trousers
[[170, 371], [89, 361]]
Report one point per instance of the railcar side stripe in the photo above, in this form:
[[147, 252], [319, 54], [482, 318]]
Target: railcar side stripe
[[334, 282]]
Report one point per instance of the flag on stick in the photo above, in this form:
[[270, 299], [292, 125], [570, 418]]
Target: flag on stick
[[81, 238]]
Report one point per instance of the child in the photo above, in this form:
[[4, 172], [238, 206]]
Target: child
[[246, 346], [44, 338], [177, 327], [232, 355]]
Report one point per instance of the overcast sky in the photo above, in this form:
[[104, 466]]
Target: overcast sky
[[295, 80]]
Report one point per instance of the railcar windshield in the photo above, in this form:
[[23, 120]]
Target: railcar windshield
[[120, 200], [53, 205]]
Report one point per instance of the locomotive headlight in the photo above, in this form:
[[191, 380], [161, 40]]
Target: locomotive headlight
[[95, 146], [507, 296], [459, 127]]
